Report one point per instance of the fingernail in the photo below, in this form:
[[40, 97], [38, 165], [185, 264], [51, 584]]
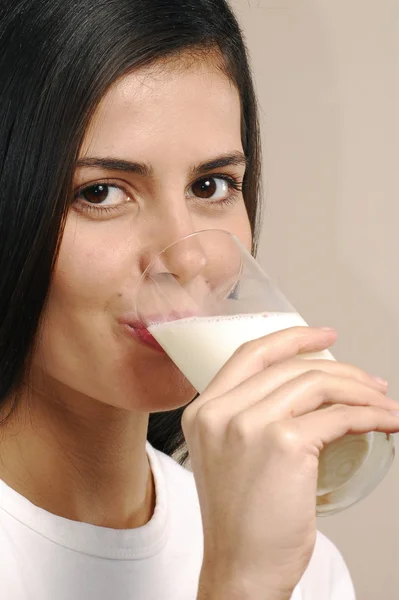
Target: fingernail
[[394, 413], [327, 328], [381, 381]]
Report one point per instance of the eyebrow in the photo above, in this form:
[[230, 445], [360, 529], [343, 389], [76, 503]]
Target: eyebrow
[[126, 166]]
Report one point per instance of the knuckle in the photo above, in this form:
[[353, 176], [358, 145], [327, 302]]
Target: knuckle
[[207, 417], [285, 436], [249, 348], [240, 429], [314, 378], [375, 411], [297, 333], [344, 412]]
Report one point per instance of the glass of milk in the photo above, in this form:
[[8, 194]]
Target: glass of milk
[[204, 296]]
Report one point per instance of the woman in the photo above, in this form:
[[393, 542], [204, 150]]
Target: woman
[[125, 125]]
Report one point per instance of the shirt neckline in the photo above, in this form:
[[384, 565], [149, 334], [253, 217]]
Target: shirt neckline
[[102, 542]]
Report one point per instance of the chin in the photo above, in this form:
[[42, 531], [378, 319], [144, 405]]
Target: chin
[[157, 390], [168, 396], [140, 383]]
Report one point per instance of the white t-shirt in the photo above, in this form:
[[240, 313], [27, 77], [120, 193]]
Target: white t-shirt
[[46, 557]]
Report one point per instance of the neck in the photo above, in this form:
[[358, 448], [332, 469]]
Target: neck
[[79, 459]]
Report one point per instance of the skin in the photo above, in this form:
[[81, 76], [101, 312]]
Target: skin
[[85, 417], [258, 423], [77, 445]]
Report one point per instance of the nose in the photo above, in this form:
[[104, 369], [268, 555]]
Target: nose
[[184, 260], [175, 281], [191, 276], [173, 249]]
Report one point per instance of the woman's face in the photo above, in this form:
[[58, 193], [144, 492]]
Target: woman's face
[[139, 187]]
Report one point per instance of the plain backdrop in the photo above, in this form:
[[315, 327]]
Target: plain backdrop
[[327, 74]]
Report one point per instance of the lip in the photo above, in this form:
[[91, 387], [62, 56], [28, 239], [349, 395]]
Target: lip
[[139, 331]]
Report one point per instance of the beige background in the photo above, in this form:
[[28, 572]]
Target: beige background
[[327, 74]]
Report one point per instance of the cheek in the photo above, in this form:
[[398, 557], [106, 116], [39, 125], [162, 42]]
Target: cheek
[[87, 290], [92, 264], [79, 325]]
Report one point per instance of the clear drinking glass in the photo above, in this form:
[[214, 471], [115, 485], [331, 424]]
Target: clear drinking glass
[[203, 297]]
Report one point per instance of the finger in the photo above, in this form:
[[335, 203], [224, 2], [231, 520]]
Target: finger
[[309, 392], [258, 355], [264, 383], [326, 426], [298, 366]]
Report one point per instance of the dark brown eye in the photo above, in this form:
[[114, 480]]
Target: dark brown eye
[[102, 194], [210, 188], [204, 188], [96, 194]]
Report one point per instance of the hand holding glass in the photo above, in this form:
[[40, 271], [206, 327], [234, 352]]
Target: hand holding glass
[[202, 298]]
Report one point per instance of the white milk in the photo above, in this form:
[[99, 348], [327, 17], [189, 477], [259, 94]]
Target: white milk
[[200, 346]]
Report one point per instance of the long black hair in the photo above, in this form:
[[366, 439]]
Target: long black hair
[[57, 60]]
